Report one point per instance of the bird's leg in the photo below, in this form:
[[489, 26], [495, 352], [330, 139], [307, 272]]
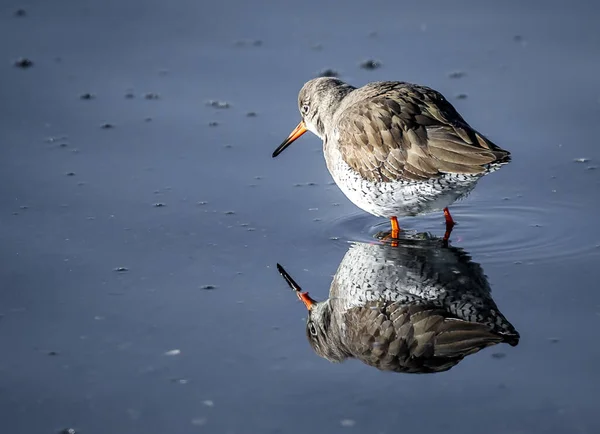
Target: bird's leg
[[449, 225], [395, 227]]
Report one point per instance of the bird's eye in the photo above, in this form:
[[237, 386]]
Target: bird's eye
[[305, 109], [312, 329]]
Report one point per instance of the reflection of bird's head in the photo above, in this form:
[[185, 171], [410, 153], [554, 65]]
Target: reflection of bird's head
[[320, 335]]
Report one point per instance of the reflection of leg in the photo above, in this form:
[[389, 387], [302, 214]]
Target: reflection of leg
[[448, 217], [449, 225], [395, 227]]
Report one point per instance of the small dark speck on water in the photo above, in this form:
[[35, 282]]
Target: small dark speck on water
[[457, 74], [244, 42], [70, 173], [159, 205], [20, 13], [202, 202], [148, 120], [328, 72], [121, 269], [218, 104], [129, 95], [311, 184], [373, 34], [591, 168], [461, 96], [151, 96], [53, 353], [518, 38], [251, 114], [498, 355], [370, 64], [87, 96], [213, 124], [227, 146], [23, 63], [107, 126], [554, 340], [208, 287], [229, 212]]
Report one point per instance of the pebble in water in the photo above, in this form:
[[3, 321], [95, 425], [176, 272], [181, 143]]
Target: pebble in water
[[370, 64], [23, 63], [347, 423], [218, 104]]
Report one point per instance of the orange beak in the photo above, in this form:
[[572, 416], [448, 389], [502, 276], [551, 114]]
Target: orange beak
[[298, 131], [308, 302]]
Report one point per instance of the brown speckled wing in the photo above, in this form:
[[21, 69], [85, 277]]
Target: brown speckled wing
[[397, 131], [417, 338]]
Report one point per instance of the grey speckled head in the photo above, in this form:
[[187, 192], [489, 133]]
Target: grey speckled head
[[317, 101]]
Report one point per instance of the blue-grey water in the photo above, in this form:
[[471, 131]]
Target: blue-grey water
[[197, 332]]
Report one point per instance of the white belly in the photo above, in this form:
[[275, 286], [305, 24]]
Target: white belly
[[398, 198]]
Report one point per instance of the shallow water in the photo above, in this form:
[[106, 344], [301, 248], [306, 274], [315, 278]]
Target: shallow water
[[91, 348]]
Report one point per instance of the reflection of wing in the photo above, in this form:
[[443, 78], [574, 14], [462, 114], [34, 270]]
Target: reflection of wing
[[417, 338], [403, 131]]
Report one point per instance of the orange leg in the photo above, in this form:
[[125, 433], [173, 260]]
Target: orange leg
[[449, 224], [395, 227]]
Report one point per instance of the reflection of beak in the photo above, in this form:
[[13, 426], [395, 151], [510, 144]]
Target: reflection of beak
[[308, 302], [298, 131]]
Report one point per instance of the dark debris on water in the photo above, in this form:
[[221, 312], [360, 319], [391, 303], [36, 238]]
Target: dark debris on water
[[328, 72], [208, 287], [121, 269], [87, 96], [370, 64], [23, 63], [20, 13], [457, 74], [107, 126], [152, 96]]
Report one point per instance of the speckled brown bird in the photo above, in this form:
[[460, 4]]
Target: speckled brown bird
[[395, 148], [418, 307]]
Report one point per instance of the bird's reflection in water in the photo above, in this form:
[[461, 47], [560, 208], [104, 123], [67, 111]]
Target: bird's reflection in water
[[417, 306]]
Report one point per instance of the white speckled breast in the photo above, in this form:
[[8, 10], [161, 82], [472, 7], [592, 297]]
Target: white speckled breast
[[399, 198]]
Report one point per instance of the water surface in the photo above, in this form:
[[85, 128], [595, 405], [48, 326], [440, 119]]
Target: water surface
[[198, 332]]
